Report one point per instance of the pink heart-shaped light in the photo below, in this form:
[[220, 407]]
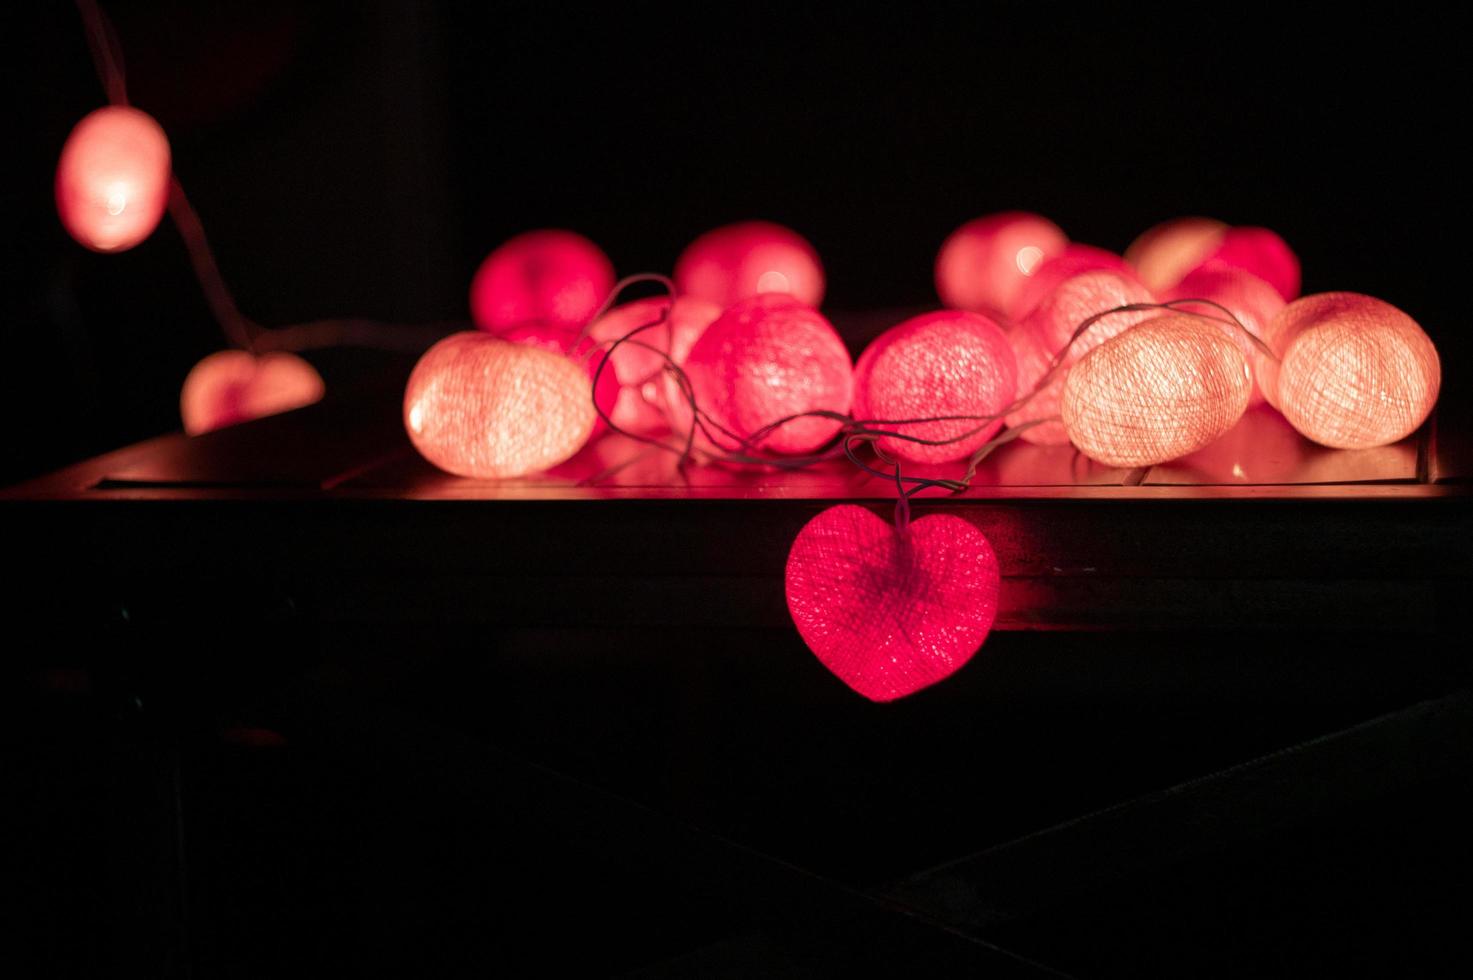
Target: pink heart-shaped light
[[891, 611]]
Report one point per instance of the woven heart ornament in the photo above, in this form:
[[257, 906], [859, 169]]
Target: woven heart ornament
[[890, 611]]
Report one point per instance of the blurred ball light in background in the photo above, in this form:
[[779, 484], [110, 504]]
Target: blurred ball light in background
[[552, 276], [112, 181], [735, 262]]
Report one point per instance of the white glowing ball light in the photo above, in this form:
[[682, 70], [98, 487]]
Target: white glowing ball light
[[112, 181], [1354, 371], [487, 408], [1158, 391]]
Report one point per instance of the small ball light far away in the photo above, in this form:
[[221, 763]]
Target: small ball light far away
[[112, 181], [583, 351], [767, 358], [1054, 272], [551, 276], [1261, 252], [483, 407], [984, 264], [891, 610], [735, 262], [1354, 371], [947, 363], [1163, 254], [1050, 328], [1160, 390], [233, 386]]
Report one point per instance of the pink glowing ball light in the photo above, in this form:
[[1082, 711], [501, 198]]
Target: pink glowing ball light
[[550, 276], [1050, 329], [947, 363], [1163, 254], [112, 181], [768, 358], [231, 386], [642, 406], [735, 262], [1261, 252], [1355, 372], [604, 385], [1054, 272], [985, 264], [891, 611], [483, 407], [1156, 392]]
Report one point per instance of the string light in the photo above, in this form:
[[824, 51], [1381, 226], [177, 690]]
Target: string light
[[767, 358], [233, 386], [1160, 390], [984, 264], [1355, 372], [112, 181], [951, 363], [735, 262], [483, 407], [551, 276]]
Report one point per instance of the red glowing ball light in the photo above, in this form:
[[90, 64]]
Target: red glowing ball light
[[765, 359], [1261, 252], [1163, 255], [739, 261], [232, 386], [550, 276], [642, 406], [1254, 302], [582, 350], [1050, 328], [890, 611], [984, 265], [1054, 272], [112, 181], [947, 363], [1355, 372], [1156, 392], [483, 407]]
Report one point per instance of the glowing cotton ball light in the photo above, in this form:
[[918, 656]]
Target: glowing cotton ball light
[[984, 265], [891, 611], [1160, 390], [1050, 328], [1163, 255], [551, 276], [738, 261], [1054, 272], [642, 400], [1355, 372], [112, 181], [1261, 252], [1254, 302], [583, 351], [947, 363], [768, 358], [233, 386], [483, 407]]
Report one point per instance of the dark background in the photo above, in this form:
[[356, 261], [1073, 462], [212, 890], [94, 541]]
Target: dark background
[[361, 158]]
